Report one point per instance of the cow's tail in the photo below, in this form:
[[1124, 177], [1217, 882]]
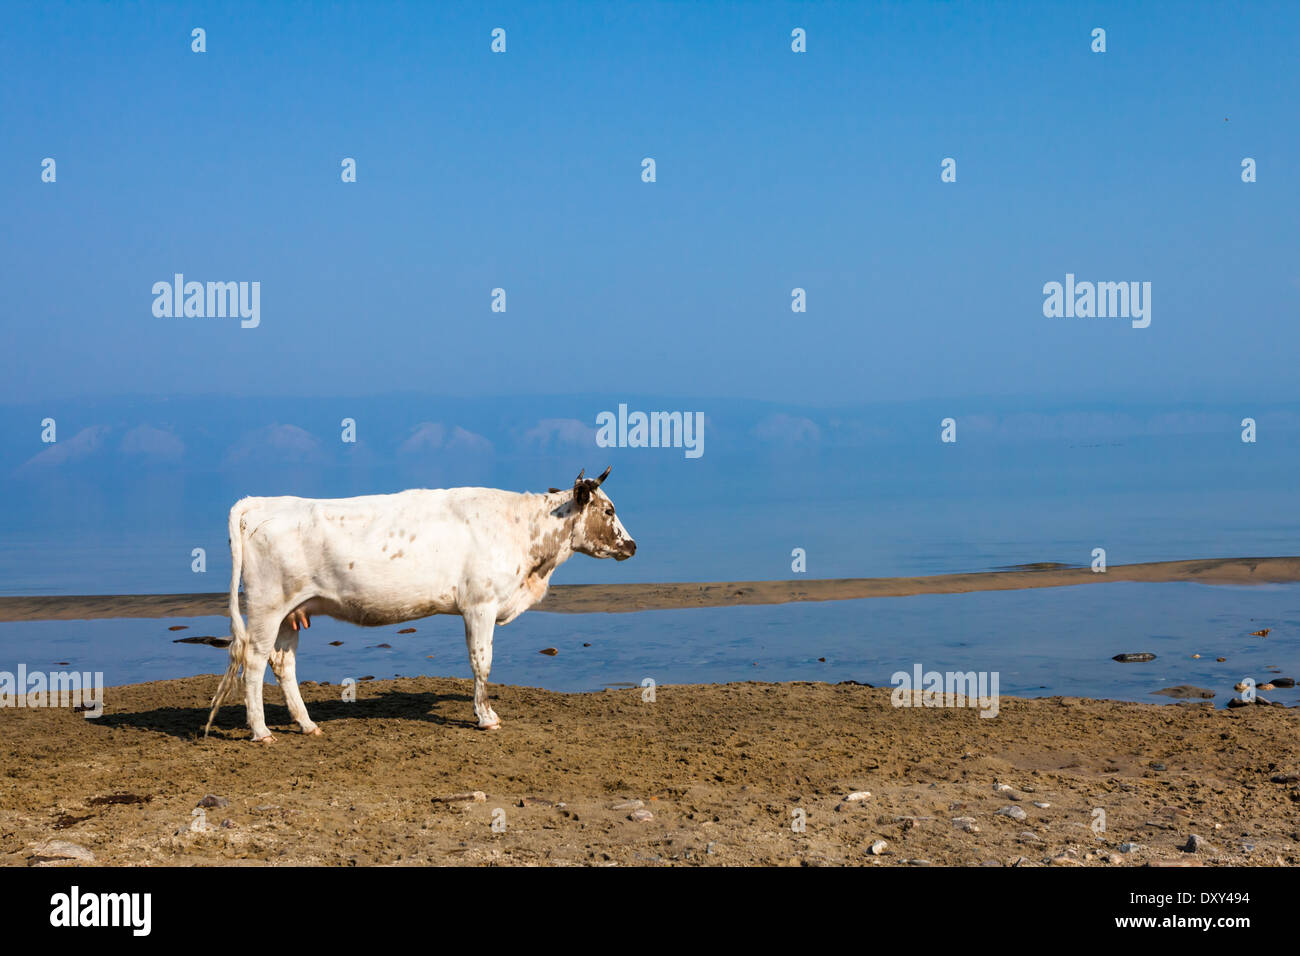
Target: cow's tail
[[238, 635]]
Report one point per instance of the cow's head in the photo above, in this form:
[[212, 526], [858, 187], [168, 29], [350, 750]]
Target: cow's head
[[598, 532]]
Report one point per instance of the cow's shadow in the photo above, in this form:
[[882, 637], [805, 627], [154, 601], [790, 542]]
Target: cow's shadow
[[188, 722]]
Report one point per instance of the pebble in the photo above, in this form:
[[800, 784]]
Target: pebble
[[1001, 787], [1138, 658], [877, 848], [212, 800], [1129, 847], [63, 850], [1015, 813], [1261, 633], [858, 795], [548, 651], [1285, 778], [1041, 804], [477, 796], [1194, 844], [641, 816], [1283, 682], [628, 805], [966, 823], [1185, 692], [209, 639]]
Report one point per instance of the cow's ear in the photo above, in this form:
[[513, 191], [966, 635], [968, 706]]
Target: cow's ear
[[581, 494]]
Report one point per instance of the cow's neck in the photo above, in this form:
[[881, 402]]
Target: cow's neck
[[552, 538]]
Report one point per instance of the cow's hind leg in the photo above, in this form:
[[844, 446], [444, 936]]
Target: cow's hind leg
[[479, 624], [262, 631], [284, 665]]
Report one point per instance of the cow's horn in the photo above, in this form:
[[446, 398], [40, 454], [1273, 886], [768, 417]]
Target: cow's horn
[[601, 479], [580, 474]]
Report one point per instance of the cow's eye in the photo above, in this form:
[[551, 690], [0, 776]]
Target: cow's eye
[[610, 512]]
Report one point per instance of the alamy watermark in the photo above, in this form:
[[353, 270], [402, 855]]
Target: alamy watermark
[[1102, 300], [951, 689], [54, 689], [75, 908], [212, 300], [651, 430]]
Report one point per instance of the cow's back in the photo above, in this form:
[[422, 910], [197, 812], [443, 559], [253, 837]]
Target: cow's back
[[378, 559]]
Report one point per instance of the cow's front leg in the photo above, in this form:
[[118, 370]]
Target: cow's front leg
[[479, 624]]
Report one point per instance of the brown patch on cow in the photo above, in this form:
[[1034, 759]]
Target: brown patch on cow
[[544, 552], [350, 565], [598, 527], [412, 538], [396, 555]]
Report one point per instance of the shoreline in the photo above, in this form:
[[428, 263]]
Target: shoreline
[[628, 598], [721, 769]]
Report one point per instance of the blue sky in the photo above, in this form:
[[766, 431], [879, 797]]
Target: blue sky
[[775, 170]]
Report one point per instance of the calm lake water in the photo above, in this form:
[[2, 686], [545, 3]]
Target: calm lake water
[[888, 511], [1041, 642]]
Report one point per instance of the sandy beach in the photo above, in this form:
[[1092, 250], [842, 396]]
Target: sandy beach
[[622, 598], [715, 774], [722, 770]]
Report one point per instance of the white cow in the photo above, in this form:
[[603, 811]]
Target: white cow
[[484, 554]]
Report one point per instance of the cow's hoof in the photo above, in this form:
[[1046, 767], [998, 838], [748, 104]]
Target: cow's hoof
[[314, 732], [268, 739], [493, 724]]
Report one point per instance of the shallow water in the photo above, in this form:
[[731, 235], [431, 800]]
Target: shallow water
[[1041, 642], [892, 510]]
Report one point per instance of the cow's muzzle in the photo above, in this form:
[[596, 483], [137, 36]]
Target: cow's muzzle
[[628, 550]]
